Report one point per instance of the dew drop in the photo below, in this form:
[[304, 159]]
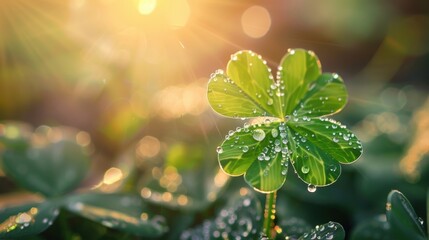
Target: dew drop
[[311, 188], [245, 148], [267, 121], [274, 132], [420, 220], [284, 172], [291, 51], [258, 135], [305, 169], [388, 206], [219, 150], [335, 139], [270, 101], [346, 138]]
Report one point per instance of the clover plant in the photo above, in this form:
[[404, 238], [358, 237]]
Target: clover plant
[[288, 124]]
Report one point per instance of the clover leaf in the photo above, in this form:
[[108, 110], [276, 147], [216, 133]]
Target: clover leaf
[[294, 105]]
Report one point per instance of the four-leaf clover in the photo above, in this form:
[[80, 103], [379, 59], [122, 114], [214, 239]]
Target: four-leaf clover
[[294, 131]]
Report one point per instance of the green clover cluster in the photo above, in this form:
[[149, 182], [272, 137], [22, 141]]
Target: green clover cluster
[[288, 123]]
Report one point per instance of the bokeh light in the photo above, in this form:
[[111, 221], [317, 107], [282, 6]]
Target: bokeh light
[[256, 21], [146, 6]]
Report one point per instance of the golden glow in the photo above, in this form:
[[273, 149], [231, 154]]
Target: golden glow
[[144, 216], [166, 197], [171, 179], [278, 229], [211, 196], [175, 101], [148, 146], [34, 211], [11, 132], [55, 135], [22, 219], [112, 176], [220, 179], [256, 21], [146, 192], [146, 7], [83, 138], [419, 146], [182, 200], [178, 13], [156, 173], [243, 191]]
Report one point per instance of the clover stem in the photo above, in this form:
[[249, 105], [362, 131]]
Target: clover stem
[[269, 213]]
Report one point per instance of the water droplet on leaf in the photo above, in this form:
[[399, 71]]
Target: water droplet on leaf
[[258, 135], [305, 169], [245, 148]]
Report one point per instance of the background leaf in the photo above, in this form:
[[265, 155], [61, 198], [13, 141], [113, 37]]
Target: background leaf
[[27, 220], [376, 228], [328, 231], [53, 169], [404, 223], [126, 213]]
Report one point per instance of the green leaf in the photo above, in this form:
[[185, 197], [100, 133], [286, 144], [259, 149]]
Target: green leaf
[[328, 231], [376, 228], [298, 69], [292, 228], [53, 169], [258, 152], [239, 219], [118, 211], [27, 220], [404, 223], [318, 147], [325, 96], [294, 103], [246, 90]]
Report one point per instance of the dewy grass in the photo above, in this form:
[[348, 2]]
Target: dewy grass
[[288, 124]]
